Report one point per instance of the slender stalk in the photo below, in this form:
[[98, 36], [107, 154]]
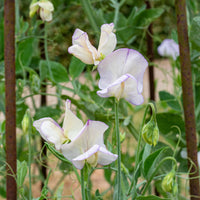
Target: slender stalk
[[89, 11], [133, 183], [29, 154], [156, 170], [188, 100], [9, 59], [118, 149], [83, 184]]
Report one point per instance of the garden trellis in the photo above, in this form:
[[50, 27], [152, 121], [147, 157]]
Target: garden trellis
[[115, 93]]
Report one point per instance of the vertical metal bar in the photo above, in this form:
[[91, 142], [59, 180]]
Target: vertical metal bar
[[9, 58], [188, 101], [150, 55]]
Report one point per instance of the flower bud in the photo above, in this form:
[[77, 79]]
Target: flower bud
[[33, 8], [168, 182], [35, 82], [150, 132], [122, 137], [26, 122]]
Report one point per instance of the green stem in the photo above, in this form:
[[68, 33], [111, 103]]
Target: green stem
[[156, 170], [83, 184], [118, 149], [46, 52], [29, 155], [89, 11], [133, 182]]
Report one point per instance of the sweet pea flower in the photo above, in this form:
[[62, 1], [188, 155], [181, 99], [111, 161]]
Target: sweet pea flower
[[121, 75], [78, 143], [169, 48], [45, 8], [83, 49]]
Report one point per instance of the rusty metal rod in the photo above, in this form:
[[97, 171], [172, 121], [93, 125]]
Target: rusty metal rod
[[9, 59], [188, 101], [150, 55]]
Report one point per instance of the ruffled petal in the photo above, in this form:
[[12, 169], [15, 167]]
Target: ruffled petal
[[120, 62], [45, 15], [80, 160], [50, 131], [108, 40], [124, 87], [105, 157], [82, 48], [72, 125], [47, 5], [90, 135], [95, 131]]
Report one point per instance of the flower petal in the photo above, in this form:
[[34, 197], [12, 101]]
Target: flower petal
[[50, 131], [108, 39], [45, 15], [91, 134], [120, 62], [124, 87], [72, 125], [82, 48], [80, 160], [47, 5], [105, 157]]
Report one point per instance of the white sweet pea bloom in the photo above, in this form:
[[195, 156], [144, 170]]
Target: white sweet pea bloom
[[77, 142], [45, 8], [169, 48], [83, 49], [121, 75]]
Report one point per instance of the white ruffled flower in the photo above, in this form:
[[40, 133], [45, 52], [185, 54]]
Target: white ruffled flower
[[86, 52], [77, 142]]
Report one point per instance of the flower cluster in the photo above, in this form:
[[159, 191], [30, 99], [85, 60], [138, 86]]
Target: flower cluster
[[121, 71], [78, 143], [121, 75]]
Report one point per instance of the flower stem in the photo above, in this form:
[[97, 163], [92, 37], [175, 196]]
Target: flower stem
[[29, 154], [83, 184], [118, 149], [133, 183]]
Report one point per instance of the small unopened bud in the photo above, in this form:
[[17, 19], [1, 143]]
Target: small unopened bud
[[33, 8], [35, 82], [26, 122], [150, 132], [122, 137], [168, 182]]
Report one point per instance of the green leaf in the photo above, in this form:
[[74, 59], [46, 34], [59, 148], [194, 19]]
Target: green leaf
[[170, 100], [76, 67], [167, 121], [145, 17], [22, 169], [151, 197], [151, 162], [58, 71], [195, 33], [24, 53]]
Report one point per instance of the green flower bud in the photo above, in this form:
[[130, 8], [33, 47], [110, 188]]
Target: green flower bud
[[150, 132], [168, 182], [33, 8], [122, 137], [35, 82], [25, 122]]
